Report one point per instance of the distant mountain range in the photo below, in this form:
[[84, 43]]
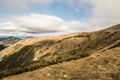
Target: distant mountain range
[[76, 56], [7, 41], [2, 47]]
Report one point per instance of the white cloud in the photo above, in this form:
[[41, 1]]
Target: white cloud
[[7, 26], [13, 4], [105, 13], [38, 24], [22, 4]]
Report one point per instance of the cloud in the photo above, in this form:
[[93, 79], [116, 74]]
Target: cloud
[[13, 4], [38, 24], [4, 26], [22, 4], [105, 13]]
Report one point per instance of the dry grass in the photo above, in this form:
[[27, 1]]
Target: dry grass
[[103, 66]]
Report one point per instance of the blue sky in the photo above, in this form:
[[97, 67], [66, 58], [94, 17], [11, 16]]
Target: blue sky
[[38, 17], [62, 10]]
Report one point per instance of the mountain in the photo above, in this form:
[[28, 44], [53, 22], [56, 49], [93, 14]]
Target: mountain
[[101, 66], [5, 38], [2, 47], [2, 39], [76, 56], [5, 42], [9, 40]]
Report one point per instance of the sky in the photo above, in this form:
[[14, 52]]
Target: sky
[[51, 17]]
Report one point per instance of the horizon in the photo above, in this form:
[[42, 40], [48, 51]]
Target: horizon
[[22, 18]]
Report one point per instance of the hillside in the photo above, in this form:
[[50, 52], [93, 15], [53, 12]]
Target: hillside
[[101, 66], [33, 53]]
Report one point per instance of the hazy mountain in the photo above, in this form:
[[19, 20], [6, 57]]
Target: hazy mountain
[[2, 47], [81, 56], [7, 41]]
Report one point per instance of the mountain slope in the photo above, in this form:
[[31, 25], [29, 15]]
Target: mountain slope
[[34, 53], [102, 66]]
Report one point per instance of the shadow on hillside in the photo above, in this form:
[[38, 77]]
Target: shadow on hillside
[[21, 58]]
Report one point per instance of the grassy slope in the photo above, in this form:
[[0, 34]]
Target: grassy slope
[[100, 66]]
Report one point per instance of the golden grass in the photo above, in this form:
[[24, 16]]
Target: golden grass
[[102, 66]]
